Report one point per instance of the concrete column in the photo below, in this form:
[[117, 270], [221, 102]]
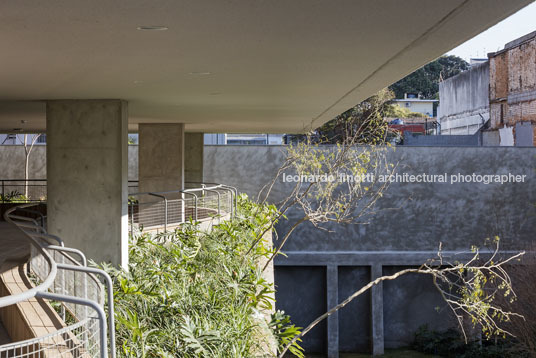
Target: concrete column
[[161, 157], [87, 176], [332, 277], [376, 271], [193, 157]]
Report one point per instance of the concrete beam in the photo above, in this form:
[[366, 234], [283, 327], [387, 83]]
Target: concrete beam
[[193, 157], [161, 157], [87, 176]]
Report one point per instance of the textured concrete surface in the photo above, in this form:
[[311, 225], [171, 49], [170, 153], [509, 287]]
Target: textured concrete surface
[[412, 216], [161, 157], [14, 244], [4, 336], [193, 157], [87, 176], [465, 101], [12, 162], [412, 219]]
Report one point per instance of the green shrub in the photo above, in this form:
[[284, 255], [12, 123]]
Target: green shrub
[[190, 293], [13, 197]]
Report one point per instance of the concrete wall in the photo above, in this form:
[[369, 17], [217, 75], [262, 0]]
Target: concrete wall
[[12, 162], [412, 220], [161, 157], [464, 99], [416, 217], [468, 140]]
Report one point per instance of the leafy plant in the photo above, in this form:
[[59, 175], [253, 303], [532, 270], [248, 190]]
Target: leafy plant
[[191, 293], [285, 331], [13, 197]]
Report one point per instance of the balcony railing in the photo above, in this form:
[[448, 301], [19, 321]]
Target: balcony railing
[[34, 190], [61, 278], [197, 202], [23, 190]]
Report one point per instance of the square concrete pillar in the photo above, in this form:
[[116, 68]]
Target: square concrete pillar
[[194, 144], [376, 271], [161, 157], [332, 280], [87, 176]]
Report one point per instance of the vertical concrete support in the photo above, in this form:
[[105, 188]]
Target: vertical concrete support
[[87, 176], [377, 311], [332, 277], [193, 157], [161, 157]]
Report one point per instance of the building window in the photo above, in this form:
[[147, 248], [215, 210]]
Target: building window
[[42, 139]]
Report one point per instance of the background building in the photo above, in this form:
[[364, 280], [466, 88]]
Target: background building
[[501, 90], [414, 103]]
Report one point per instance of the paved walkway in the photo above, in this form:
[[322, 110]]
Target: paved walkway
[[14, 247], [4, 337]]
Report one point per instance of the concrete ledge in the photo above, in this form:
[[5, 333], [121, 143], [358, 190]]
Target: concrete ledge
[[370, 258]]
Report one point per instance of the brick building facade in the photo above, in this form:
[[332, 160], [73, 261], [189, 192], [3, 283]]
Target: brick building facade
[[512, 92]]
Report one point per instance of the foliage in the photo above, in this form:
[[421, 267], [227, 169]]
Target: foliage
[[523, 328], [339, 184], [395, 111], [426, 79], [13, 197], [285, 331], [469, 288], [450, 343], [364, 123], [191, 293]]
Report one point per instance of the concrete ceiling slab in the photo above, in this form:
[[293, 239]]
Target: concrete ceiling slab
[[225, 66]]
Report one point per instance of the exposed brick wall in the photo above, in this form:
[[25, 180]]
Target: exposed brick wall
[[513, 86]]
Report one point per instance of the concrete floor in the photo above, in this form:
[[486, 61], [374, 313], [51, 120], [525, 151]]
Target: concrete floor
[[14, 246], [4, 337]]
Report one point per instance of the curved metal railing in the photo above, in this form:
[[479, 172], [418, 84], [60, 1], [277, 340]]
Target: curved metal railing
[[71, 283], [197, 202]]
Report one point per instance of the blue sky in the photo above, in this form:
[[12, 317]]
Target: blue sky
[[493, 39]]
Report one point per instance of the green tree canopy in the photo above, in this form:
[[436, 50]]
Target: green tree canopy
[[426, 79]]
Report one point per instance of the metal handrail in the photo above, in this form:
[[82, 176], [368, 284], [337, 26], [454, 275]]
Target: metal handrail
[[214, 188], [41, 290], [165, 207], [26, 295]]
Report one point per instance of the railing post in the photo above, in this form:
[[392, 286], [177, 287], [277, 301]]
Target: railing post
[[131, 207], [183, 208], [165, 214], [3, 191]]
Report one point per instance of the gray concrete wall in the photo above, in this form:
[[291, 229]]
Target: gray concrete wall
[[161, 157], [463, 100], [412, 219], [12, 162], [193, 157], [415, 218], [468, 140]]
